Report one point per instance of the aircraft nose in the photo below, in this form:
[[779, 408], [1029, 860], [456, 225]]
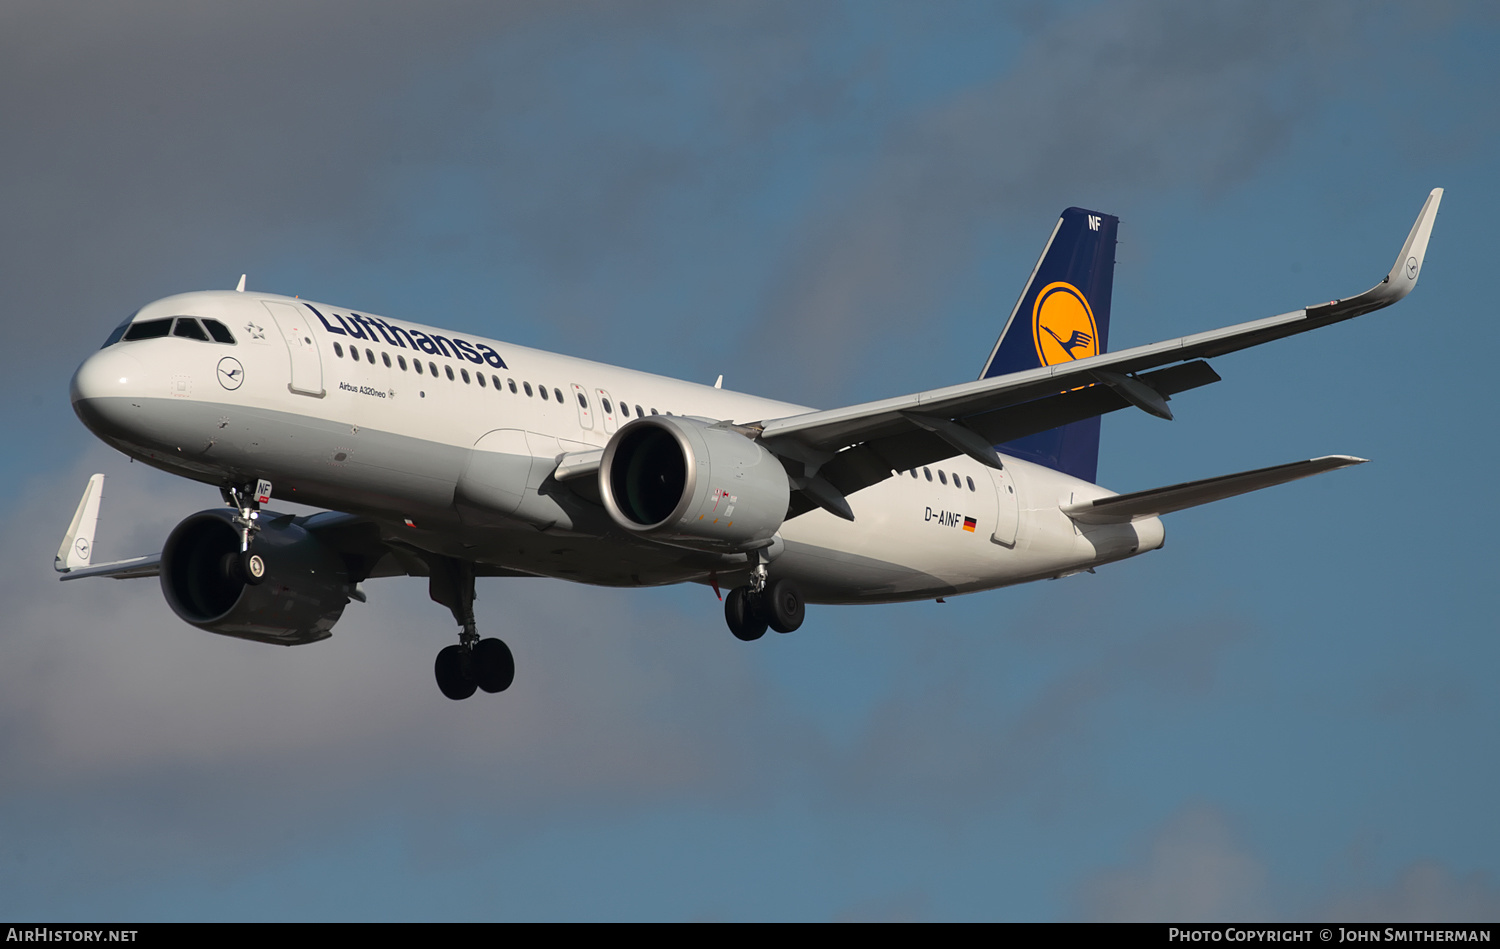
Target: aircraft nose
[[103, 388], [108, 373]]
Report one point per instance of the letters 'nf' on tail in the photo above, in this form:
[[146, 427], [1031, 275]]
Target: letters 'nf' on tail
[[1062, 316]]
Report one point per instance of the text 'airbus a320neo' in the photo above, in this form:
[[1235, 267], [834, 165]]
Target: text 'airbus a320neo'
[[452, 457]]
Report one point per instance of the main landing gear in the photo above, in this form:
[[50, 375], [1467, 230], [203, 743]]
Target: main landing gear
[[472, 663], [245, 565], [777, 604]]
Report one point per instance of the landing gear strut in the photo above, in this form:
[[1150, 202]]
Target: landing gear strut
[[246, 566], [473, 663]]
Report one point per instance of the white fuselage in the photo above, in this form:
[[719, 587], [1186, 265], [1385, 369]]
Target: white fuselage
[[288, 402]]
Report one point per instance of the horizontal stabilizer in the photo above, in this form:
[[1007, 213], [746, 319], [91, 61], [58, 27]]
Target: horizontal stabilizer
[[1129, 507]]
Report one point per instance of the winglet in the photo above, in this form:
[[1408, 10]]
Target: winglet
[[1403, 276], [77, 546]]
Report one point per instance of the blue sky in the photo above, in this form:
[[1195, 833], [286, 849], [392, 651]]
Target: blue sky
[[1287, 713]]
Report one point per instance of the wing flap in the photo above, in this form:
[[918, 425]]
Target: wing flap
[[873, 461], [1157, 501]]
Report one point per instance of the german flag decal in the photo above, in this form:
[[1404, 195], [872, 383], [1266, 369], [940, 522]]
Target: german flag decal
[[969, 524]]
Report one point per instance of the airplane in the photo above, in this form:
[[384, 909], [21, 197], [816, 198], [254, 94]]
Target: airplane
[[442, 455]]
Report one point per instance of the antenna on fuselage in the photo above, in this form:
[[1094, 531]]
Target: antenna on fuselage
[[719, 383], [241, 286]]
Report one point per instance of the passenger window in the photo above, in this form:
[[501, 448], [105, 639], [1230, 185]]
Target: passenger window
[[432, 368], [942, 477], [543, 391], [353, 354], [479, 378], [583, 403], [417, 365], [654, 412], [151, 329], [558, 393], [928, 473], [971, 483], [338, 350], [219, 332], [527, 386], [511, 385], [955, 481], [607, 409], [462, 372], [370, 356], [401, 361], [913, 473], [496, 381], [386, 358]]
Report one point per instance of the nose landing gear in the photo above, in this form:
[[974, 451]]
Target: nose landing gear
[[246, 566]]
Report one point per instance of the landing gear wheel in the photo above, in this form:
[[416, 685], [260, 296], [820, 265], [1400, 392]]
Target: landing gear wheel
[[452, 677], [243, 567], [743, 613], [494, 666], [252, 568], [783, 607]]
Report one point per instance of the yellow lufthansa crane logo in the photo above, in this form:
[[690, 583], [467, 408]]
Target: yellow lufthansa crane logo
[[1062, 325]]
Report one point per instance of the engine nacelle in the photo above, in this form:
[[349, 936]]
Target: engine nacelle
[[303, 594], [693, 484]]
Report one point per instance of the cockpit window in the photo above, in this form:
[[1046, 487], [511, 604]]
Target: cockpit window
[[188, 328], [219, 332], [119, 331], [150, 329]]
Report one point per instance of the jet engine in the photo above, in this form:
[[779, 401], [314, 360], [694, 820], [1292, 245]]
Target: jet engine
[[302, 594], [693, 484]]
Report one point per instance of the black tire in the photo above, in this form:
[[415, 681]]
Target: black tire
[[252, 568], [783, 606], [494, 666], [449, 670], [743, 614]]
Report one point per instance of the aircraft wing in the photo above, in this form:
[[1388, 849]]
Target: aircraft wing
[[130, 569], [850, 448]]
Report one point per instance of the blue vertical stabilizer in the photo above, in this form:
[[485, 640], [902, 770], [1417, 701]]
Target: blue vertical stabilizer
[[1063, 315]]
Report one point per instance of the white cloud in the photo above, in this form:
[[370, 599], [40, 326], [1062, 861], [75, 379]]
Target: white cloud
[[1192, 871]]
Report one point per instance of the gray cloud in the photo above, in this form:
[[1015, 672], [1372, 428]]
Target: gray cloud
[[1195, 869], [936, 739], [1106, 107], [1192, 871], [1424, 892]]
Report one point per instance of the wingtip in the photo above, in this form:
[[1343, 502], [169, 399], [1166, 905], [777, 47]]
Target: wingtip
[[1340, 461]]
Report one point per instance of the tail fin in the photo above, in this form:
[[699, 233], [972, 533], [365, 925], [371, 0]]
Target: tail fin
[[1063, 314]]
